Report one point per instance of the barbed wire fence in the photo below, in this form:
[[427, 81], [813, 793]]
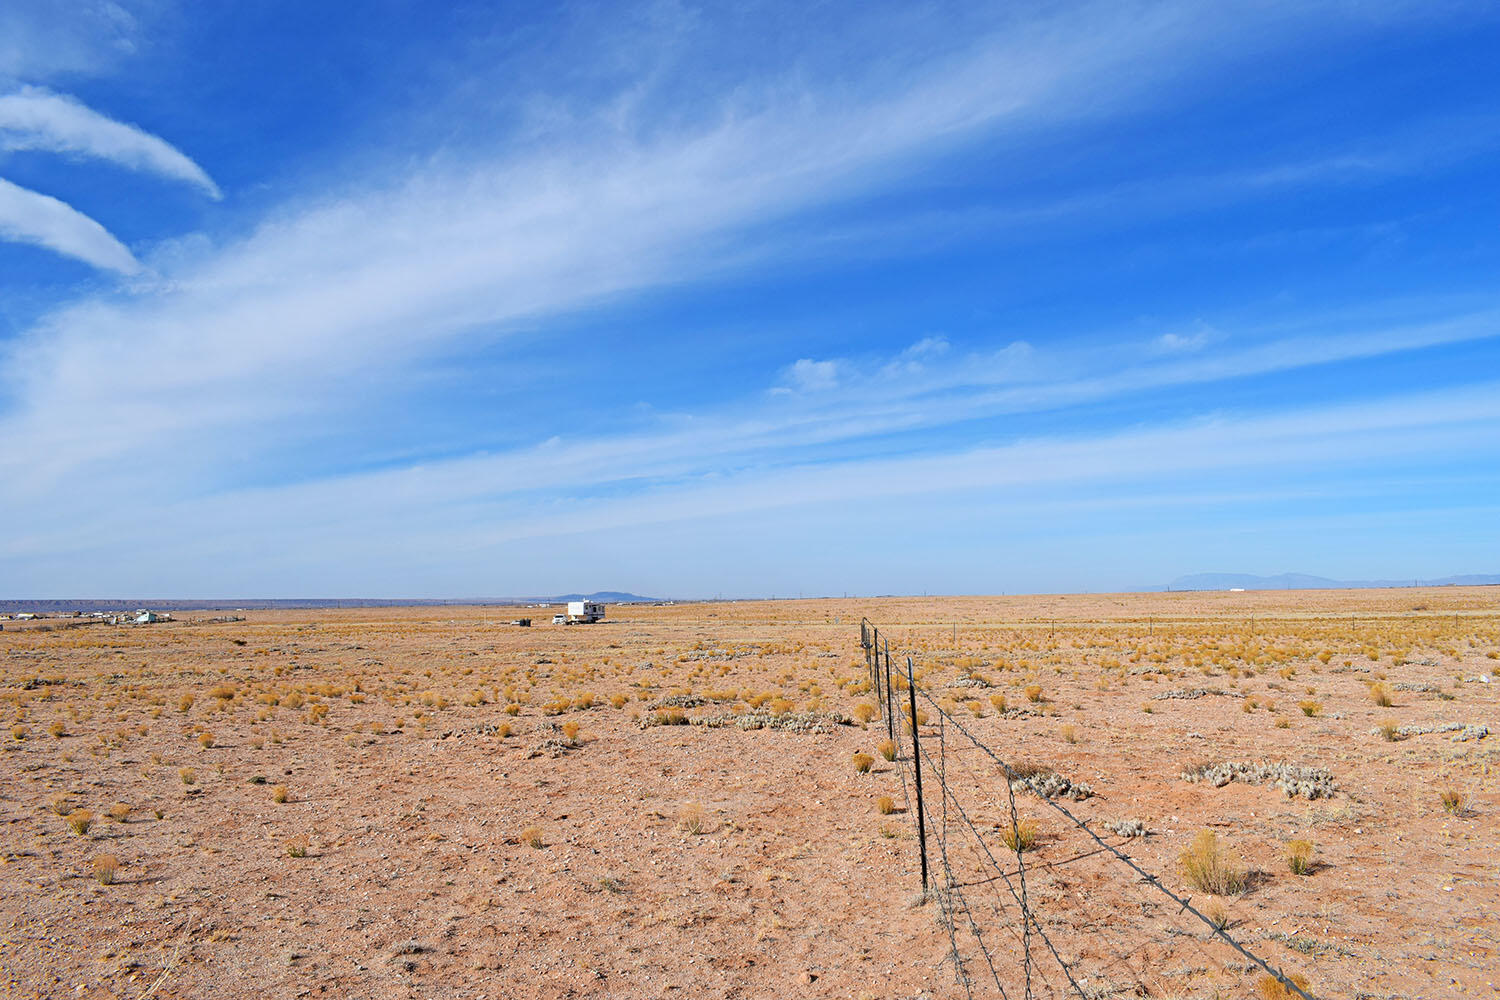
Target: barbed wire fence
[[1017, 927]]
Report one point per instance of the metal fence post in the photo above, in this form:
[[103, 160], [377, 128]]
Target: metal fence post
[[890, 703], [916, 760]]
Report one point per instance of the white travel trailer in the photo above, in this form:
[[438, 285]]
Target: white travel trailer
[[584, 612]]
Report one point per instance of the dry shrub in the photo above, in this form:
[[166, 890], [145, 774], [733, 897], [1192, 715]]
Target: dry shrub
[[1069, 734], [1299, 856], [280, 794], [1268, 987], [205, 740], [1210, 866], [79, 821], [863, 762], [669, 717], [119, 812], [864, 712], [1453, 801], [188, 775], [885, 805], [532, 837], [57, 729], [184, 703], [1310, 708], [1033, 692], [60, 804], [570, 730], [19, 731], [887, 749], [998, 702], [1021, 836], [1217, 914], [1380, 694], [1390, 730], [106, 868]]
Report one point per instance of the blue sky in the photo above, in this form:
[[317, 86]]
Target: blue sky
[[476, 300]]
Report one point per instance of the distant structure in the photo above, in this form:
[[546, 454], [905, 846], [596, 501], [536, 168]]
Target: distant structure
[[580, 613]]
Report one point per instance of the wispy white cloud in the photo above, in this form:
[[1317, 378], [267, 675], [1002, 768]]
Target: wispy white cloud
[[30, 217], [43, 38], [459, 514], [36, 119]]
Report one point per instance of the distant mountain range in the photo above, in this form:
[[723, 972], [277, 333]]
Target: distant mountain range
[[260, 603], [1304, 581]]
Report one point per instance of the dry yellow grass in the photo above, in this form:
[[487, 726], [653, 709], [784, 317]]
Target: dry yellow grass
[[106, 869], [1210, 866], [1299, 854]]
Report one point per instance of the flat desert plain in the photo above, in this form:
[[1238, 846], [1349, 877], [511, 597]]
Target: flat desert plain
[[429, 802]]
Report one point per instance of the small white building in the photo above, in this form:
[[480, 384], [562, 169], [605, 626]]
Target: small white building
[[585, 612]]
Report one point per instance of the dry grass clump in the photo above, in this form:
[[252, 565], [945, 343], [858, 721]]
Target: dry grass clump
[[106, 869], [690, 819], [119, 812], [1299, 855], [79, 821], [1311, 708], [863, 762], [184, 703], [19, 731], [885, 805], [1023, 835], [1268, 987], [1453, 801], [57, 729], [1380, 694], [188, 775], [997, 701], [1069, 734], [205, 739], [280, 794], [864, 712], [1034, 693], [570, 730], [887, 749], [297, 846], [532, 837], [60, 804], [1210, 866], [1217, 914], [1389, 729]]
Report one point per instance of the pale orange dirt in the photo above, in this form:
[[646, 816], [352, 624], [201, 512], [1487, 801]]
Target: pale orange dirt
[[419, 880]]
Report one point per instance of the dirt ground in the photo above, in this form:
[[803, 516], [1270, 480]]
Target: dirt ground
[[473, 809]]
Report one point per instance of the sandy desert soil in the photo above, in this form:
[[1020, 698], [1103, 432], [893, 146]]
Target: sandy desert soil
[[488, 811]]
